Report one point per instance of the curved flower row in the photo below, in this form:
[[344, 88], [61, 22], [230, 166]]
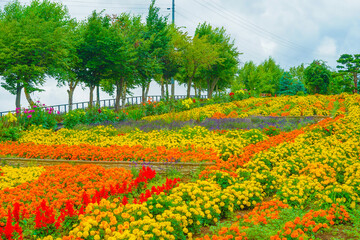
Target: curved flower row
[[229, 143], [322, 105], [113, 153]]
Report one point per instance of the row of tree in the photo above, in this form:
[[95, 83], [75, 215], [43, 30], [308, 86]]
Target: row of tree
[[318, 77], [113, 53]]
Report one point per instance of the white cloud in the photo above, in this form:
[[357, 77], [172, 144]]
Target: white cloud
[[268, 47], [326, 49]]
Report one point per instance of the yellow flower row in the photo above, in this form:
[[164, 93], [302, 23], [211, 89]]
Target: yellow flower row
[[176, 216], [230, 143], [321, 165], [321, 105], [11, 176]]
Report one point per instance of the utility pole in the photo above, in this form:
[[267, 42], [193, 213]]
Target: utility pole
[[173, 22], [173, 11]]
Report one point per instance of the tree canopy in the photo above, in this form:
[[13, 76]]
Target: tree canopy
[[317, 77], [350, 64], [33, 43]]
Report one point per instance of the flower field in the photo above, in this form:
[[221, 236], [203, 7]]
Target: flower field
[[266, 183]]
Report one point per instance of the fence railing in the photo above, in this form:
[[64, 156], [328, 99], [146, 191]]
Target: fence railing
[[64, 108]]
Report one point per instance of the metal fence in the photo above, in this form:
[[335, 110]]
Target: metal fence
[[64, 108]]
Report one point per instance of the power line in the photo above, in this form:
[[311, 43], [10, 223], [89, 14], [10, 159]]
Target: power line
[[245, 21], [251, 27]]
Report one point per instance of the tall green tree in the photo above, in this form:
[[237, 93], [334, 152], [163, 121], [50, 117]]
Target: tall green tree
[[290, 86], [297, 73], [172, 60], [350, 64], [197, 53], [69, 77], [158, 33], [248, 75], [269, 74], [124, 45], [341, 82], [33, 45], [93, 51], [317, 77], [221, 72]]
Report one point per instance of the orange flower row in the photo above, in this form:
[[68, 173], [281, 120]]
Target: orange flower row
[[234, 162], [59, 184], [311, 222], [112, 153]]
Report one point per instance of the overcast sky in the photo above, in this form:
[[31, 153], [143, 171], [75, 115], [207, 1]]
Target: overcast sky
[[290, 31]]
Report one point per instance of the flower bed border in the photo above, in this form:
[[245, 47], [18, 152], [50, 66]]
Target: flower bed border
[[160, 167]]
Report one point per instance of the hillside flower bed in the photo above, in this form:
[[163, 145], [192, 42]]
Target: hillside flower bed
[[265, 184], [321, 105]]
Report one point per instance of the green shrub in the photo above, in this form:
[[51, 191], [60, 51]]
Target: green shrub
[[92, 116], [10, 134]]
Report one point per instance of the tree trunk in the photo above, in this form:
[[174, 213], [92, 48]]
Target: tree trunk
[[70, 91], [209, 92], [123, 95], [188, 88], [212, 86], [98, 96], [195, 89], [143, 90], [162, 88], [28, 97], [172, 88], [190, 82], [91, 96], [119, 85], [167, 89], [147, 90], [355, 82], [18, 95]]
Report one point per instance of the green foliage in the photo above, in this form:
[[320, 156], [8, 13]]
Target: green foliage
[[247, 76], [253, 136], [272, 131], [289, 86], [317, 77], [350, 64], [223, 179], [136, 114], [297, 73], [197, 53], [238, 95], [123, 49], [269, 74], [10, 134], [92, 116], [341, 82], [220, 73], [264, 78], [30, 46]]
